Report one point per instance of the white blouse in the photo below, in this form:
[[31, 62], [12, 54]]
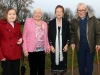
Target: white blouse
[[12, 24]]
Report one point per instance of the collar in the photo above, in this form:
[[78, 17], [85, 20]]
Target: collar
[[89, 15]]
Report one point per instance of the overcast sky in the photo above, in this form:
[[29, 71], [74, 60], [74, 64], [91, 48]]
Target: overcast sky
[[49, 5]]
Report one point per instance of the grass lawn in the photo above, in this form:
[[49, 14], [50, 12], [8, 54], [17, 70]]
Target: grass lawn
[[47, 65]]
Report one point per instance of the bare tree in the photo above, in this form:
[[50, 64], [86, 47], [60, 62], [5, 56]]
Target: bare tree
[[52, 16], [68, 14], [19, 5], [0, 6], [46, 17], [6, 4], [90, 8], [30, 15], [22, 4], [23, 14]]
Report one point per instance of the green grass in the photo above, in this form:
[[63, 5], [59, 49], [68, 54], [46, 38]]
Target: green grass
[[21, 28], [47, 60]]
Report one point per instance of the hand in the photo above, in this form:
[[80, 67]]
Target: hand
[[65, 48], [4, 59], [26, 53], [19, 41], [52, 49], [47, 51], [97, 47], [73, 46]]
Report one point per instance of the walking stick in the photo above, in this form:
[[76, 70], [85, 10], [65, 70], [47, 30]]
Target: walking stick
[[98, 61], [72, 61]]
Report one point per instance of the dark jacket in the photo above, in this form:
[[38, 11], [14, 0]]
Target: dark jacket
[[52, 32], [8, 41], [92, 32]]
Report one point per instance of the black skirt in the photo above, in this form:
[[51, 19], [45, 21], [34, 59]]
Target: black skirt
[[62, 67]]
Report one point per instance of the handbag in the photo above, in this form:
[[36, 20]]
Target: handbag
[[23, 66]]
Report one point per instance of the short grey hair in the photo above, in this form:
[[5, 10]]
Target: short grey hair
[[37, 9], [80, 4]]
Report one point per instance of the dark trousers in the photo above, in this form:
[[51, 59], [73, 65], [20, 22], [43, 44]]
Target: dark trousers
[[85, 59], [10, 67], [37, 63]]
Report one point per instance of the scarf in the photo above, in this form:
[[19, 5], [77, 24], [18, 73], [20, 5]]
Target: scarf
[[58, 45]]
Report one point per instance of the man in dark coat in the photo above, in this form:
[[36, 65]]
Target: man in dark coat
[[85, 37]]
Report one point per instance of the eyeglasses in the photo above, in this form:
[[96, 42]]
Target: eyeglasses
[[37, 13], [81, 10]]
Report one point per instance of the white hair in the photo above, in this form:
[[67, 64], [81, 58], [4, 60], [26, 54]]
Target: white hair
[[80, 4], [37, 9]]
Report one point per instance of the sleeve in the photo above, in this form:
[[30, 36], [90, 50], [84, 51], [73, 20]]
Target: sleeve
[[72, 33], [1, 54], [68, 33], [97, 31], [49, 34], [48, 46], [24, 36]]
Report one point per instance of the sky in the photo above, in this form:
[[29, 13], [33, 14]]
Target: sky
[[49, 5]]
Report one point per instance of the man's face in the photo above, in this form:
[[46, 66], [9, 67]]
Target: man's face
[[81, 11]]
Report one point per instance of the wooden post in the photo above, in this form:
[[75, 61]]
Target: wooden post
[[98, 62], [73, 62]]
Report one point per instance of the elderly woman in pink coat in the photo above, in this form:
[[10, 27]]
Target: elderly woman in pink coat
[[35, 42]]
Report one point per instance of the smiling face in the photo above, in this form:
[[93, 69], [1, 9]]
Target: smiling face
[[37, 14], [59, 13], [81, 11], [11, 16]]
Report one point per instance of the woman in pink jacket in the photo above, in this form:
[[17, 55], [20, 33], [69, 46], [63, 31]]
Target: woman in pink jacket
[[35, 42]]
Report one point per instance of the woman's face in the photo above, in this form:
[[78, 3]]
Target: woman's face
[[37, 14], [59, 13], [11, 16]]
